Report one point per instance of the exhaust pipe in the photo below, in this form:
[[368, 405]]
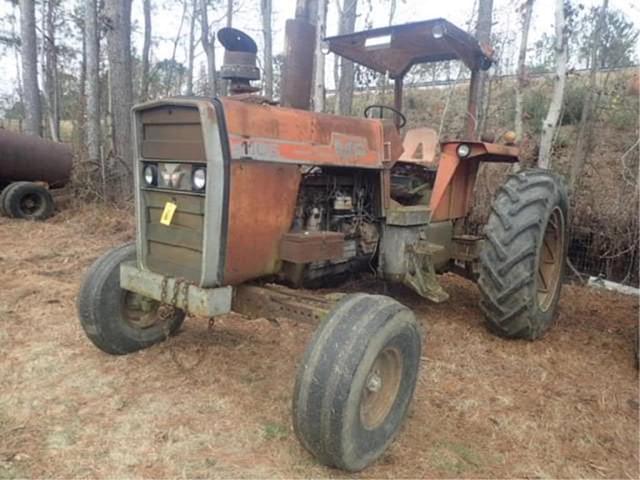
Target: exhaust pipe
[[297, 76]]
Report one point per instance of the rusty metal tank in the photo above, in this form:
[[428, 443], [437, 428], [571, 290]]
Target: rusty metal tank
[[33, 159]]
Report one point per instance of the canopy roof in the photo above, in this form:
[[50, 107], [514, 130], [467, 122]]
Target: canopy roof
[[397, 48]]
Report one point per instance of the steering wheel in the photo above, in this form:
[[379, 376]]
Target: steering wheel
[[398, 113]]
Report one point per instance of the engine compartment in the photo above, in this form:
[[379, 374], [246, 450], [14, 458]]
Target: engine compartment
[[348, 201]]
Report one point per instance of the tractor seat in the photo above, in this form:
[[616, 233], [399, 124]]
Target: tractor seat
[[420, 146]]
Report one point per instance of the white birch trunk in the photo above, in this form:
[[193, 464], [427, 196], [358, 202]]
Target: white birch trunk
[[319, 58], [266, 11], [550, 123]]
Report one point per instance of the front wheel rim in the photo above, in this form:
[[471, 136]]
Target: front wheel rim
[[550, 260], [381, 388], [142, 313]]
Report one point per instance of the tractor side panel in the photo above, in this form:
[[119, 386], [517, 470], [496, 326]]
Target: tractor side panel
[[262, 201], [268, 146], [274, 134]]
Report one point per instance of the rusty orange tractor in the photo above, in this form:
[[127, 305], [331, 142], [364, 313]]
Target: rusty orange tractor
[[239, 199]]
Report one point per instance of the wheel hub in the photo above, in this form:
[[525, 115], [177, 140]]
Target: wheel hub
[[374, 382], [381, 388]]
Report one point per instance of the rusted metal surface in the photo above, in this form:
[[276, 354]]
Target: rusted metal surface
[[305, 247], [453, 188], [397, 48], [262, 202], [456, 177], [300, 40], [283, 135], [33, 159], [420, 146], [275, 301]]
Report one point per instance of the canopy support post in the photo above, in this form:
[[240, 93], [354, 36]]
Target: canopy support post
[[397, 97]]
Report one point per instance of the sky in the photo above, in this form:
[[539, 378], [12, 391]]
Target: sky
[[167, 14]]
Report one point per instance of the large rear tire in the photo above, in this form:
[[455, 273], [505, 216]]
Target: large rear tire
[[523, 258], [356, 381], [28, 201], [118, 321]]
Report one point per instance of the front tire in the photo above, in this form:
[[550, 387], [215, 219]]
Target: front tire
[[524, 254], [118, 321], [356, 381]]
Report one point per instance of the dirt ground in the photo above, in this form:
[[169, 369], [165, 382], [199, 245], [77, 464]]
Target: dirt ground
[[214, 402]]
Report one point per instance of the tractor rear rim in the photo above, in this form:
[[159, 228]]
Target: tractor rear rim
[[31, 203], [381, 388], [550, 263]]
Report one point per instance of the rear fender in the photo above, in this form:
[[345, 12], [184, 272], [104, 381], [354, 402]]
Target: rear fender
[[453, 189]]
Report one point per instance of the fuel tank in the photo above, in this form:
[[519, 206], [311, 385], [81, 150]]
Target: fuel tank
[[31, 158]]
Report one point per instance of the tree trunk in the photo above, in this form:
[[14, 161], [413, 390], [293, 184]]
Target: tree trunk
[[266, 11], [229, 13], [483, 34], [521, 82], [32, 108], [550, 123], [93, 84], [192, 47], [146, 48], [50, 68], [347, 25], [581, 152], [118, 16], [209, 46], [169, 80], [318, 73], [79, 112]]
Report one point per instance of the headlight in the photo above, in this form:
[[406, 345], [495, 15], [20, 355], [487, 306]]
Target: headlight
[[438, 31], [199, 178], [150, 174], [463, 150]]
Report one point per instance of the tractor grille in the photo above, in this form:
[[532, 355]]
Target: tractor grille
[[176, 249], [172, 133]]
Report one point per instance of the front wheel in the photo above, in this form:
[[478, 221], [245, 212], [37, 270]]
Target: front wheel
[[356, 381], [524, 254], [118, 321]]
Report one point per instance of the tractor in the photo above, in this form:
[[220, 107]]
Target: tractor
[[245, 205]]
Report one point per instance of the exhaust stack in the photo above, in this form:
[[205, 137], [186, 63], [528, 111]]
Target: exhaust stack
[[297, 76]]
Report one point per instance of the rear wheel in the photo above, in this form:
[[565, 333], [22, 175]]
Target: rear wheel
[[118, 321], [356, 381], [523, 257], [28, 201]]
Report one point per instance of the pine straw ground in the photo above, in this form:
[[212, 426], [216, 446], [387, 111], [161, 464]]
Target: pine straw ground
[[215, 402]]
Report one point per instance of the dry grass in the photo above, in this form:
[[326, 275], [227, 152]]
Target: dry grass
[[566, 406]]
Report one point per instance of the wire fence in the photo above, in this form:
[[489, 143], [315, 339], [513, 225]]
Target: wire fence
[[589, 255]]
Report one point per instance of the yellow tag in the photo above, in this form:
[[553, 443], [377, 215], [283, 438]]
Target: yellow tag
[[167, 213]]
